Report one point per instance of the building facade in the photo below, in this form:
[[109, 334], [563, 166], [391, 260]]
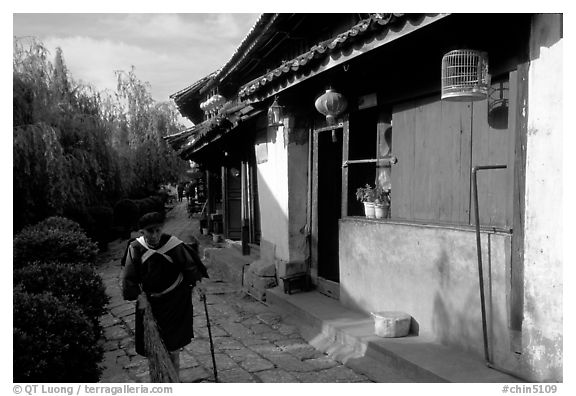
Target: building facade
[[287, 176]]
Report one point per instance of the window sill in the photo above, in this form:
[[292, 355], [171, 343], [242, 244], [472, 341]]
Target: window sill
[[424, 224]]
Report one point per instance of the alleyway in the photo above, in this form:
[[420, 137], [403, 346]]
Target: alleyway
[[251, 342]]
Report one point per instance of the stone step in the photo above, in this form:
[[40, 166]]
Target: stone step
[[348, 336], [228, 262]]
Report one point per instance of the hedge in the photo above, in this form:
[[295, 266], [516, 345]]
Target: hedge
[[78, 283], [44, 242], [52, 340], [60, 223]]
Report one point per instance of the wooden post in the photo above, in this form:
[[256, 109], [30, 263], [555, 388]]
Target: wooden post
[[245, 209]]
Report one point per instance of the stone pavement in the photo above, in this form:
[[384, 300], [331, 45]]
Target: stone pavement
[[251, 343]]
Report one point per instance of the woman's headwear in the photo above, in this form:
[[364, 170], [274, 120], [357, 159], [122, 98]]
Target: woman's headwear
[[150, 219]]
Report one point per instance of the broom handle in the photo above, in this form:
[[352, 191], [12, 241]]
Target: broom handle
[[210, 337]]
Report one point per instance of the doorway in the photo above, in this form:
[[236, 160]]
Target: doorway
[[232, 191], [328, 207]]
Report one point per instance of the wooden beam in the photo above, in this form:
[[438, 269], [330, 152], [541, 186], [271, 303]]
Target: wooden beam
[[517, 265]]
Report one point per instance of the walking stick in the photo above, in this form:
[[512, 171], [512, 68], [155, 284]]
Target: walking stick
[[211, 343]]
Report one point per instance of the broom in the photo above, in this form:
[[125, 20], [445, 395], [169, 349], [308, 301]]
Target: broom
[[161, 367]]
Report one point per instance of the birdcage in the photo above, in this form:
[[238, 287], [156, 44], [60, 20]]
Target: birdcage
[[465, 75]]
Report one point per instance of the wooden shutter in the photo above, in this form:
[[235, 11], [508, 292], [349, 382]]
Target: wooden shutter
[[493, 144], [431, 181]]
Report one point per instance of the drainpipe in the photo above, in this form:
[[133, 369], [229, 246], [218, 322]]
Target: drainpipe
[[487, 359]]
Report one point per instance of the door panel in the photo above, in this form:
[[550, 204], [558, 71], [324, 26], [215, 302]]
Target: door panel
[[233, 204]]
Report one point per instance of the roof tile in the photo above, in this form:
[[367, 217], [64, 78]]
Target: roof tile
[[318, 50]]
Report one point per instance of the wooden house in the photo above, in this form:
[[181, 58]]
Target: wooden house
[[288, 176]]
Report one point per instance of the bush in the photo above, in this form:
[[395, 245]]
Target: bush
[[78, 283], [52, 340], [43, 243], [60, 223]]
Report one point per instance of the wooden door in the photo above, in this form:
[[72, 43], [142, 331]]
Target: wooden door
[[327, 209], [232, 211]]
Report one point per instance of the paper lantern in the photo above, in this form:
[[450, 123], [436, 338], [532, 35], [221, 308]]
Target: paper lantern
[[331, 104]]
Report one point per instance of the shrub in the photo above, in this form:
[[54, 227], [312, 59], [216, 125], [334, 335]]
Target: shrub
[[78, 283], [52, 340], [37, 243], [60, 223]]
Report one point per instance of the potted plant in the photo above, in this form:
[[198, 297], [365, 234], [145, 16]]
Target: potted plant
[[381, 202], [367, 195]]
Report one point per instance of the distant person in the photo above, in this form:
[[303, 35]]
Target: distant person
[[189, 192], [180, 192], [167, 270]]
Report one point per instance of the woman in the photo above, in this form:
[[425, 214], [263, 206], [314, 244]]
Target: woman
[[167, 270]]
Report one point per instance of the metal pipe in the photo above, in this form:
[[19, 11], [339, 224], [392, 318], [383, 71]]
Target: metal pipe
[[211, 342], [381, 162], [488, 361], [475, 170]]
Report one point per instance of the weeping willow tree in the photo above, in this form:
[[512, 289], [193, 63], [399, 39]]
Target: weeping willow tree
[[75, 147], [145, 123]]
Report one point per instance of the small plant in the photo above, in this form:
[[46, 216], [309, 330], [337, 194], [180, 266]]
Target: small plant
[[382, 196], [366, 194]]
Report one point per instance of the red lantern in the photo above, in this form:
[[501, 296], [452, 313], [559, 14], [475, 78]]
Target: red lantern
[[331, 104]]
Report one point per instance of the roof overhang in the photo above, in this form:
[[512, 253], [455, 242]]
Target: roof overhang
[[190, 142], [367, 35]]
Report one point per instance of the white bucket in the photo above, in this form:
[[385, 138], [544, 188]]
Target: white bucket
[[391, 324]]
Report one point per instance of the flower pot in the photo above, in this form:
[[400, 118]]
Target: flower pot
[[381, 211], [204, 231], [369, 209]]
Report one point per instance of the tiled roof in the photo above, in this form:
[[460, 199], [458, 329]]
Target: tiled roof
[[194, 138], [190, 90], [320, 50], [260, 26]]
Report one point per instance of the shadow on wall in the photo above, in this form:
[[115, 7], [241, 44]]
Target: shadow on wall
[[460, 324]]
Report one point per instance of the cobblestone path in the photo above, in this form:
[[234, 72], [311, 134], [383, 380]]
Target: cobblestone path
[[251, 342]]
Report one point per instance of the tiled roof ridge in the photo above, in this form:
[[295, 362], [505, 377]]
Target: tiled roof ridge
[[177, 95], [250, 36], [374, 21], [263, 24]]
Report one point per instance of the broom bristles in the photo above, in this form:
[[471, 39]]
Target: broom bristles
[[161, 366]]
